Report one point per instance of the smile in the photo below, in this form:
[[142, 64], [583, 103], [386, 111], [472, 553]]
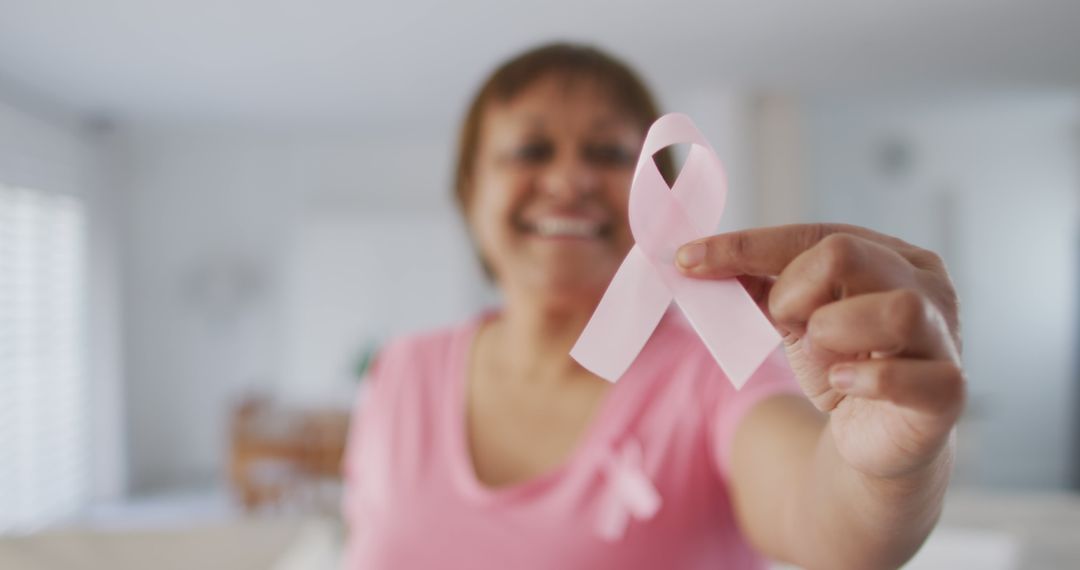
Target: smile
[[563, 227]]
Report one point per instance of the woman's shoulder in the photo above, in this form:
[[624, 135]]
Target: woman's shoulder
[[433, 346], [408, 347]]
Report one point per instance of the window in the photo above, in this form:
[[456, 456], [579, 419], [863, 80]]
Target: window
[[43, 429]]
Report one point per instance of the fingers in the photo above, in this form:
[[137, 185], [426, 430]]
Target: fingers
[[901, 322], [765, 251], [851, 292], [933, 386], [759, 251], [839, 266]]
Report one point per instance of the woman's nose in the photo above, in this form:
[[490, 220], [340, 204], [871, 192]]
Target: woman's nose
[[569, 180]]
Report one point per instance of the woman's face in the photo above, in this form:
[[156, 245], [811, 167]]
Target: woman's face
[[550, 188]]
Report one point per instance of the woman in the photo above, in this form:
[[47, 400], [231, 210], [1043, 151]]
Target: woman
[[486, 446]]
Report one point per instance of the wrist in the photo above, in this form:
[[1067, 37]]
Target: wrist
[[936, 465]]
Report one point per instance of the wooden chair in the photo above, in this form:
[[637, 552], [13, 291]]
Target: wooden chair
[[285, 459]]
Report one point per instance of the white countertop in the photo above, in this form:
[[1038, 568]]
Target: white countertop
[[979, 530]]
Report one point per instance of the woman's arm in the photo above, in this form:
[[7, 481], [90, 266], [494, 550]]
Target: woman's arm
[[871, 331], [799, 501]]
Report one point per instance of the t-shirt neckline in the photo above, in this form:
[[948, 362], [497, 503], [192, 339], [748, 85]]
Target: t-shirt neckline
[[596, 436]]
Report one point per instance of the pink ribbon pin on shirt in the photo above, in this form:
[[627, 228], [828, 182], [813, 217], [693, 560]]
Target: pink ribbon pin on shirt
[[723, 314], [629, 493]]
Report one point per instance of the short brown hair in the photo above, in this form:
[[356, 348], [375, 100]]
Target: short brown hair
[[513, 76]]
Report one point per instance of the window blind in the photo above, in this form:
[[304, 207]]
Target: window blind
[[43, 429]]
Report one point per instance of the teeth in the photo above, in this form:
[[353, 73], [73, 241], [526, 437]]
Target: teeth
[[567, 227]]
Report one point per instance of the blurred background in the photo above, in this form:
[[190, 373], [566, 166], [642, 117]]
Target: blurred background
[[212, 213]]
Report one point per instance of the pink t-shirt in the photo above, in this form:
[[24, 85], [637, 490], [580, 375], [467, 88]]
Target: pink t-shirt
[[644, 488]]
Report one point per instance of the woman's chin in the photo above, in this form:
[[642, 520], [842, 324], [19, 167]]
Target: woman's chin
[[566, 280], [566, 288]]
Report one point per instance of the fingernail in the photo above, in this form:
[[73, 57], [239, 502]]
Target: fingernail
[[691, 255], [842, 377]]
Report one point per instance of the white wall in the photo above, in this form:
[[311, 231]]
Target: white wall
[[992, 185], [356, 280], [44, 149], [333, 227]]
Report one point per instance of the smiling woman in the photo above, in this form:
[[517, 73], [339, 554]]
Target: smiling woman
[[486, 446], [518, 125]]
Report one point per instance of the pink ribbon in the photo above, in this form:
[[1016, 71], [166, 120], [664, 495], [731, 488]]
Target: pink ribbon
[[723, 314], [630, 493]]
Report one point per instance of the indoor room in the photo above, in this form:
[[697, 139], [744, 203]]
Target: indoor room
[[228, 230]]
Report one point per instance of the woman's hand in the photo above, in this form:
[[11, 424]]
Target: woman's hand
[[871, 330]]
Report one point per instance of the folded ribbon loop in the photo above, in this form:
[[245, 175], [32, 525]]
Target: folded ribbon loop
[[630, 493], [723, 314]]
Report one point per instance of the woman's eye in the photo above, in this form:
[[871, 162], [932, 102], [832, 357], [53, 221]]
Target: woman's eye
[[533, 152], [609, 155]]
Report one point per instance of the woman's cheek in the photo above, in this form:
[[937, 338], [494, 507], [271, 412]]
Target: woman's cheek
[[619, 204], [494, 231]]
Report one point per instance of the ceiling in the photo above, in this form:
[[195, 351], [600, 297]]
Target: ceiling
[[329, 61]]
